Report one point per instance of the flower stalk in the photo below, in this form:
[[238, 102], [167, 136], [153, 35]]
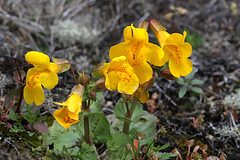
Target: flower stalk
[[129, 114], [74, 76], [86, 122], [21, 89]]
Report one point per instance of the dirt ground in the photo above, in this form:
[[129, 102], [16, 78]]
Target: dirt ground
[[82, 31]]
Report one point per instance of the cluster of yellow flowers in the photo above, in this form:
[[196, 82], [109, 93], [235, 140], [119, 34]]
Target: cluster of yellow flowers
[[130, 62], [44, 74], [129, 71]]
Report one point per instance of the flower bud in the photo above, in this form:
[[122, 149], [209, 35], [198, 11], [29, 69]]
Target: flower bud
[[156, 26], [168, 16], [144, 25], [172, 8], [181, 11], [63, 65], [92, 95], [83, 79], [167, 74], [159, 31], [100, 85], [78, 89], [147, 85], [96, 72]]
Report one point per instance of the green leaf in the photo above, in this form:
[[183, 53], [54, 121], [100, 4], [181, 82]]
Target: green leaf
[[96, 106], [121, 111], [114, 123], [67, 139], [116, 146], [197, 90], [165, 155], [124, 119], [144, 127], [55, 130], [13, 115], [196, 81], [182, 91], [102, 130], [237, 90], [163, 147], [181, 81], [191, 75]]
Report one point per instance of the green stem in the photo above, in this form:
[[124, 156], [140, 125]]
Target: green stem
[[127, 124], [86, 123], [134, 103], [129, 114]]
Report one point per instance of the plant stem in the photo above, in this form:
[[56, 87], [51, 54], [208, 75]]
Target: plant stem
[[129, 114], [134, 103], [86, 123], [20, 100], [20, 77], [74, 76], [127, 124], [21, 89]]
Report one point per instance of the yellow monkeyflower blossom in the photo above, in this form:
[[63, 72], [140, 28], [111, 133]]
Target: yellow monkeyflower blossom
[[44, 73], [120, 76], [65, 118], [176, 50], [138, 52], [73, 103]]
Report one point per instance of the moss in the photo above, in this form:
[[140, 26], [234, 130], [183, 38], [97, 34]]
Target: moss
[[181, 143]]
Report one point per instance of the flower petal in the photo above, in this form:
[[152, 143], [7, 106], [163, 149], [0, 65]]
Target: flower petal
[[144, 97], [120, 75], [186, 50], [38, 59], [33, 94], [153, 54], [175, 39], [119, 50], [128, 85], [180, 69], [74, 103], [54, 67], [48, 79], [112, 80], [143, 71], [135, 34], [162, 35], [63, 117]]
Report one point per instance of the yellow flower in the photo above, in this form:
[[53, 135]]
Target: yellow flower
[[43, 73], [138, 52], [65, 118], [73, 103], [177, 51], [120, 75]]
